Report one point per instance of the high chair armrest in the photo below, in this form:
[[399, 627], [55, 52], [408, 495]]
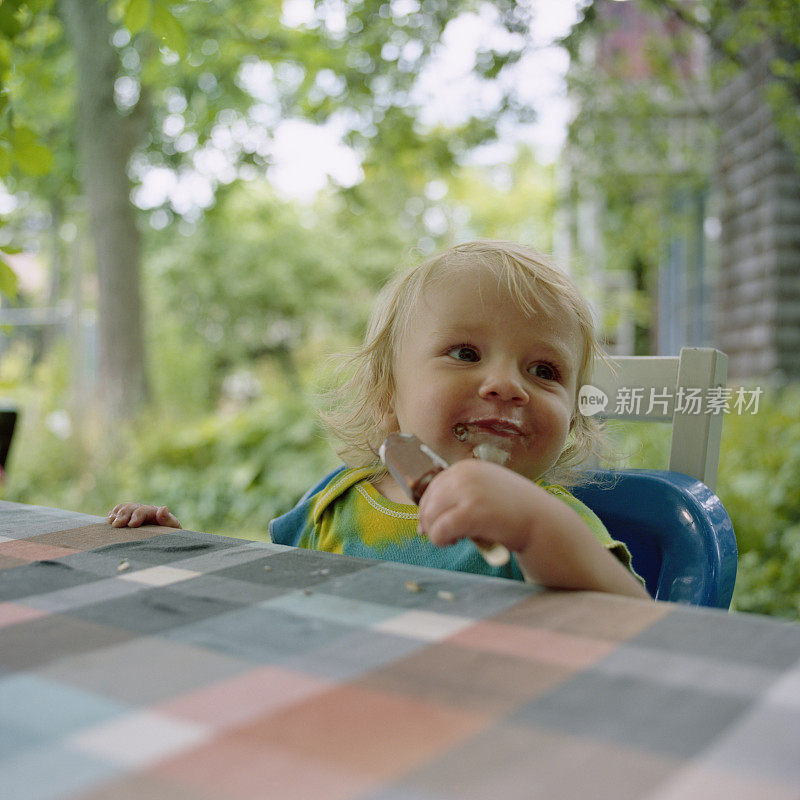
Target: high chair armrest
[[679, 534]]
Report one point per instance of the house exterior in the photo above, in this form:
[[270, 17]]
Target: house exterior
[[726, 268], [757, 296]]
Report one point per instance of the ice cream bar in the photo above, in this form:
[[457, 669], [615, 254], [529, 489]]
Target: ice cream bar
[[411, 463], [414, 465]]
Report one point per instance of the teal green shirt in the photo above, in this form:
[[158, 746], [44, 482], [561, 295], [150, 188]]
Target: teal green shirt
[[348, 515]]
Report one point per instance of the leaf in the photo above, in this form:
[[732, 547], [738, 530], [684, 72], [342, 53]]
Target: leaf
[[32, 157], [35, 6], [138, 14], [10, 25], [8, 280], [5, 158], [169, 30]]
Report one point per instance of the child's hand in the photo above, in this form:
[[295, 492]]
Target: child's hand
[[553, 546], [479, 500], [135, 514]]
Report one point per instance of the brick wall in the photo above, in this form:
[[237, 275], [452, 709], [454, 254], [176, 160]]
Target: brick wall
[[758, 296]]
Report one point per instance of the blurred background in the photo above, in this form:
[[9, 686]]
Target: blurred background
[[199, 201]]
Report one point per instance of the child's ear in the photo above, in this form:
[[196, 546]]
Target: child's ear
[[386, 418], [389, 421]]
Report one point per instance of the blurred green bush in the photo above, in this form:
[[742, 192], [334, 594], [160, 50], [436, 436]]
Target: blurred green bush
[[760, 486], [229, 472]]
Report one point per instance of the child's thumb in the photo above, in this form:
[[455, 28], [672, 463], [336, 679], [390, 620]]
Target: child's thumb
[[165, 517]]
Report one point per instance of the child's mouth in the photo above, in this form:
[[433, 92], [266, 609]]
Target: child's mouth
[[491, 439], [479, 430]]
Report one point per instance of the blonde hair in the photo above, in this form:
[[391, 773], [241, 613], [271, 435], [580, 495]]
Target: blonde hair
[[358, 402]]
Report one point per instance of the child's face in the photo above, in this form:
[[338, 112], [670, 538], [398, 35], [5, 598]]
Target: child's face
[[473, 368]]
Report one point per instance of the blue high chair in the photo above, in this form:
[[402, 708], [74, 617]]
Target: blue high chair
[[679, 534]]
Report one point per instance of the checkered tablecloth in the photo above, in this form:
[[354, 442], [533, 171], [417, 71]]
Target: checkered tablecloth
[[151, 663]]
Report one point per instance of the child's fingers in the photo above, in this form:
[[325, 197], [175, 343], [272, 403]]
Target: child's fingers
[[446, 528], [121, 515], [437, 514], [142, 515], [133, 515], [165, 517], [121, 508], [439, 498]]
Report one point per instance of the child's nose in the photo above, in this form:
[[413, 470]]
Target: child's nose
[[504, 384]]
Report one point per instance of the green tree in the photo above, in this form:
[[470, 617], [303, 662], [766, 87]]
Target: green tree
[[735, 30], [640, 150], [260, 277], [160, 84], [106, 142]]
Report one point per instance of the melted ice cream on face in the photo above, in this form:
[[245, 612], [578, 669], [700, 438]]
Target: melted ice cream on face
[[486, 446], [486, 451]]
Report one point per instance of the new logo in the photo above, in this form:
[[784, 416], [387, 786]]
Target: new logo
[[591, 400]]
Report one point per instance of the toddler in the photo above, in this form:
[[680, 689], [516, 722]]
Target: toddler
[[486, 343]]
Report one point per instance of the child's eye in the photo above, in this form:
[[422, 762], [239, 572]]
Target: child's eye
[[547, 372], [464, 353]]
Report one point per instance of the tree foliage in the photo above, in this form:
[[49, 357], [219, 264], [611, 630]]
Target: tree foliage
[[642, 143], [641, 140], [196, 92], [21, 148], [736, 30]]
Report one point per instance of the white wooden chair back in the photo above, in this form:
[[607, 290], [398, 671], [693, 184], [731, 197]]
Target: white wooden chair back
[[686, 390]]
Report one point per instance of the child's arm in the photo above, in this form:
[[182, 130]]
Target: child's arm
[[135, 514], [553, 545]]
